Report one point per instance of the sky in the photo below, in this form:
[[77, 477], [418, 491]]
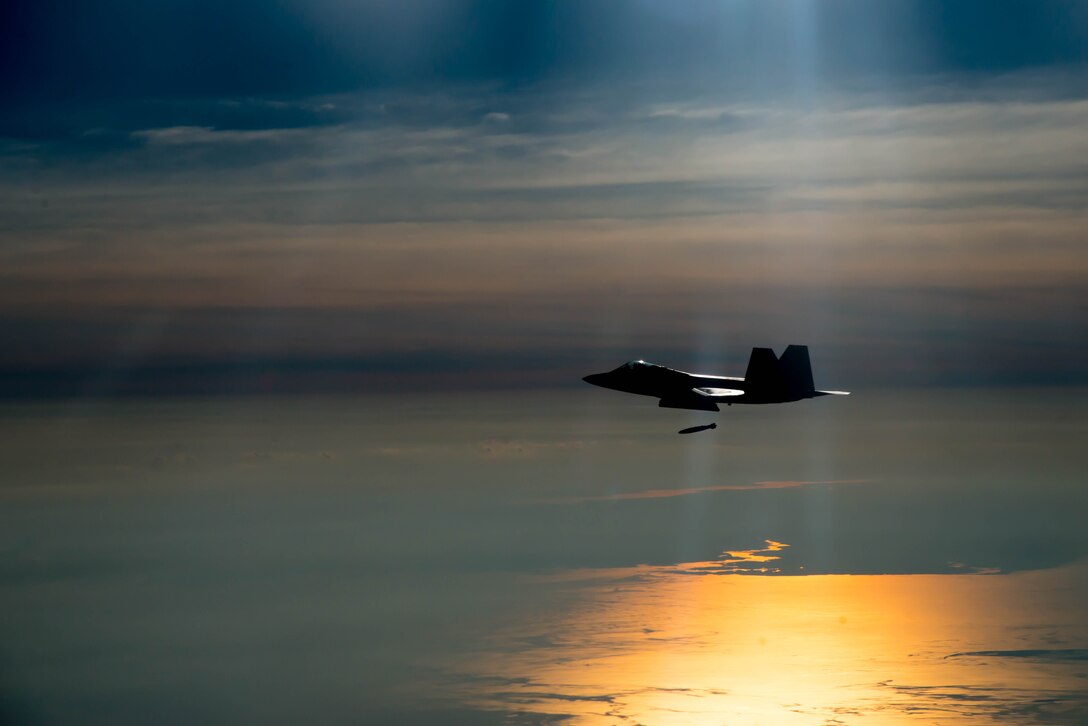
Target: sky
[[330, 196], [296, 299]]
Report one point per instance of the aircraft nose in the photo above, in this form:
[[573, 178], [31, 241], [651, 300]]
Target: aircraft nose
[[592, 378]]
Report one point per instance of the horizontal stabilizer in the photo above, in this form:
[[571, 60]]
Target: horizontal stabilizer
[[718, 392], [832, 393]]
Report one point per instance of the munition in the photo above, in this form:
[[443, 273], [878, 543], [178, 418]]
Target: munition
[[696, 429]]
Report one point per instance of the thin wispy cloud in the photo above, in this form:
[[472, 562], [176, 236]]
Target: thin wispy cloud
[[668, 493], [520, 448], [195, 135]]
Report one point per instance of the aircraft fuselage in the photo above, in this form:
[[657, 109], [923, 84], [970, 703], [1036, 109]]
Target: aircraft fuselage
[[769, 379]]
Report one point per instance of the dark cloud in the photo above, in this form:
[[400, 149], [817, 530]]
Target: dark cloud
[[126, 48]]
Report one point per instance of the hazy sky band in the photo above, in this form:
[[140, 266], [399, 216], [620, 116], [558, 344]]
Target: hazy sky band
[[545, 187]]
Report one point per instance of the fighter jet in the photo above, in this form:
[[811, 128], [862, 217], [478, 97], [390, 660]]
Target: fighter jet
[[769, 379]]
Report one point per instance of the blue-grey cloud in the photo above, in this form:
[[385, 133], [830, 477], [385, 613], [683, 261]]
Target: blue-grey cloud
[[200, 48]]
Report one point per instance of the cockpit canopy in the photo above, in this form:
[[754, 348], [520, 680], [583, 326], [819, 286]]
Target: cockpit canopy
[[634, 365]]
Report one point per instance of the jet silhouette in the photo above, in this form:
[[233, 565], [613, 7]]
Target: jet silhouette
[[769, 379]]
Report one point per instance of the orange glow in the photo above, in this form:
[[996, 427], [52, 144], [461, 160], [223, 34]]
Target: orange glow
[[653, 646], [666, 493]]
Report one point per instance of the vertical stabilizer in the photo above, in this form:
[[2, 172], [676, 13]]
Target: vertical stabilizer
[[796, 369], [764, 373]]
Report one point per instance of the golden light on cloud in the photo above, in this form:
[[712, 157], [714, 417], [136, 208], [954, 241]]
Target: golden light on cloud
[[651, 647]]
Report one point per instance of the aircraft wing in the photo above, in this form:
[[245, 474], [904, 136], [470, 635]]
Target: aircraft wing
[[718, 392], [700, 399], [832, 393]]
